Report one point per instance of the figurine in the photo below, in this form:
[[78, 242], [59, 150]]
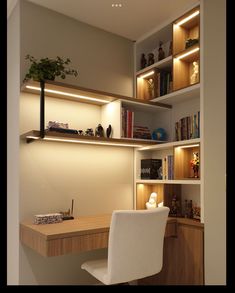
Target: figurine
[[89, 132], [108, 131], [161, 53], [143, 61], [150, 59], [194, 78], [170, 49], [99, 131], [80, 132], [152, 203]]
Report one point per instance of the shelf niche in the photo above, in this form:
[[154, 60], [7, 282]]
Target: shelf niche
[[183, 66], [165, 194], [182, 157]]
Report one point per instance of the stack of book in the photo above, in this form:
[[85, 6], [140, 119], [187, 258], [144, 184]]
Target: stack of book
[[163, 83], [141, 132]]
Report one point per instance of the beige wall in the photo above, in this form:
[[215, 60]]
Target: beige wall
[[13, 74], [104, 60], [99, 178], [214, 142]]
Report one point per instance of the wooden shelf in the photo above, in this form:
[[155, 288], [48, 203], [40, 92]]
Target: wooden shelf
[[190, 58], [169, 145], [34, 135], [165, 63], [183, 181], [70, 92]]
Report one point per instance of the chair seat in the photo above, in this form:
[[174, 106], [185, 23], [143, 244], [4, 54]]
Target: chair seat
[[97, 268]]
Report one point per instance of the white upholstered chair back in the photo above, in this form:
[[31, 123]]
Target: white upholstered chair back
[[135, 248]]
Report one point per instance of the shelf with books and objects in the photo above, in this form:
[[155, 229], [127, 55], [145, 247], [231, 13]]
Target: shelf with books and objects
[[109, 125], [139, 122], [176, 77], [169, 170], [186, 49]]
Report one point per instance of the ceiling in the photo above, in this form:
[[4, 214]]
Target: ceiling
[[133, 20]]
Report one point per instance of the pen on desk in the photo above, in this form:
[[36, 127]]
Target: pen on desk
[[72, 207]]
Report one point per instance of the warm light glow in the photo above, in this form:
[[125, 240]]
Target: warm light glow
[[67, 94], [188, 18], [83, 141], [117, 5], [188, 146], [146, 74], [188, 53]]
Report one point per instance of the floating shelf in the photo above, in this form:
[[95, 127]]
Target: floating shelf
[[185, 94], [83, 95], [34, 135], [183, 181], [166, 62]]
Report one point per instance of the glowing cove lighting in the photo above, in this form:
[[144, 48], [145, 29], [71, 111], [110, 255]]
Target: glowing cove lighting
[[186, 19], [146, 74], [67, 94], [83, 141], [187, 53]]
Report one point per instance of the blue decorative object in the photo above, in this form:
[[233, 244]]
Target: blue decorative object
[[159, 134]]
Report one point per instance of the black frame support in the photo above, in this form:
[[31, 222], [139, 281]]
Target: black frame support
[[42, 109]]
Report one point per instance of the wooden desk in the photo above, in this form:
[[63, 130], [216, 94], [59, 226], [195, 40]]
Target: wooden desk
[[73, 236]]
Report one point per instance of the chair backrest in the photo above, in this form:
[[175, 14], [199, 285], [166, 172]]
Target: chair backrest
[[135, 248]]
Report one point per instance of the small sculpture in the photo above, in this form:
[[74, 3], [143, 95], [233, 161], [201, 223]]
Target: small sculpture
[[108, 131], [152, 203], [194, 78], [170, 49], [99, 131], [89, 132], [80, 132], [143, 61], [150, 59], [161, 53]]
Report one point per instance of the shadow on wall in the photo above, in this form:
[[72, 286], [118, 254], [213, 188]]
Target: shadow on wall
[[61, 270]]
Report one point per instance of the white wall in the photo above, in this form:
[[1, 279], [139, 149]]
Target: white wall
[[214, 138], [104, 60], [13, 75], [99, 178]]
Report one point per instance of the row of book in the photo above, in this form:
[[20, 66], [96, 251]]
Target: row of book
[[129, 130], [188, 127], [168, 168], [163, 83]]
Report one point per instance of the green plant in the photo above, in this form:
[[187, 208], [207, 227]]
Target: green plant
[[48, 69]]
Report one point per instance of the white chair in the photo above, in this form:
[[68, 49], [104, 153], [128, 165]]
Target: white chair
[[135, 247]]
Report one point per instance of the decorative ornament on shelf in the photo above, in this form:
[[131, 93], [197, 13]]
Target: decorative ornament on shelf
[[195, 164], [109, 131], [143, 61], [161, 53], [150, 59], [152, 203], [194, 78], [159, 134], [99, 131]]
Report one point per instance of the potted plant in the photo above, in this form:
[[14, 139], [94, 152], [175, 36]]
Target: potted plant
[[47, 69]]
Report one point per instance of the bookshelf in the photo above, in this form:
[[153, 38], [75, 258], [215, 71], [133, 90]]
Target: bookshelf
[[109, 110], [182, 92]]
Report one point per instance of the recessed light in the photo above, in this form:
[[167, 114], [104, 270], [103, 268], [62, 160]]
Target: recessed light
[[117, 5]]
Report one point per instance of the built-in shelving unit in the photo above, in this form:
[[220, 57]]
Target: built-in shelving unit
[[176, 82]]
